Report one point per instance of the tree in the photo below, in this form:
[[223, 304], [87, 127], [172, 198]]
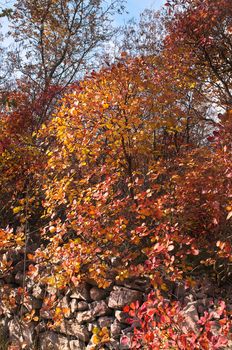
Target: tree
[[114, 141], [144, 36], [56, 41], [204, 28], [59, 37]]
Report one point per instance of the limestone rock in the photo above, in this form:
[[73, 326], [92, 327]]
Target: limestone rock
[[121, 296], [97, 294], [55, 341], [21, 333], [115, 329], [191, 317], [91, 326], [82, 306], [72, 327], [85, 316], [121, 316], [99, 308], [73, 305], [105, 321], [46, 313], [76, 305], [81, 292], [140, 284], [113, 344]]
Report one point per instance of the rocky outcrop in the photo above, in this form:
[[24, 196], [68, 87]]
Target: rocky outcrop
[[87, 310], [121, 296], [55, 341], [91, 318]]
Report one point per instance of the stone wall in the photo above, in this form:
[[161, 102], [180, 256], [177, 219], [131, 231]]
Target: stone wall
[[90, 315]]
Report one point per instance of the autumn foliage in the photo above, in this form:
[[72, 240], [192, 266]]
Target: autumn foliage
[[131, 174], [162, 327]]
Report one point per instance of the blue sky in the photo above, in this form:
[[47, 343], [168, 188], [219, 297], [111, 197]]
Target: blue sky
[[135, 7]]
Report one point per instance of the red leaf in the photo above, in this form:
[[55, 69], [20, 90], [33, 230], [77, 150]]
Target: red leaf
[[126, 308]]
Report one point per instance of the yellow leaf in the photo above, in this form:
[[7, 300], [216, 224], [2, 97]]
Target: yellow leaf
[[95, 330], [17, 210], [164, 287], [19, 241], [104, 330], [58, 310], [95, 339], [52, 229]]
